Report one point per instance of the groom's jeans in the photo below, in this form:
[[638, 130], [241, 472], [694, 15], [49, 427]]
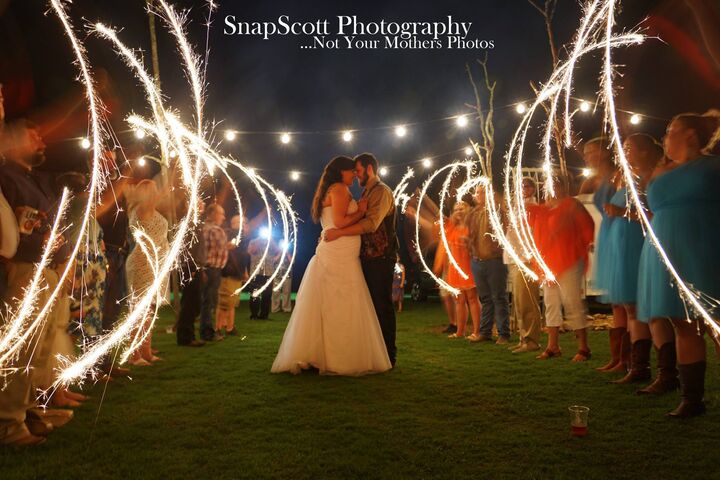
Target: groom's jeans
[[378, 274], [491, 282]]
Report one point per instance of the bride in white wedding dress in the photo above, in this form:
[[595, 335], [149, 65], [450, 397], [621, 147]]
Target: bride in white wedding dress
[[334, 327]]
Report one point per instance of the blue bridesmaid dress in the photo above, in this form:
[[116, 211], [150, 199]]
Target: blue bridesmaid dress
[[603, 195], [625, 242], [686, 207]]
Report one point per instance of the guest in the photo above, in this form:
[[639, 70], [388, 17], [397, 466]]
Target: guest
[[193, 276], [563, 232], [88, 287], [398, 284], [216, 248], [601, 184], [456, 232], [112, 216], [489, 271], [625, 240], [684, 202], [29, 194], [525, 291], [430, 229], [281, 297], [260, 304], [144, 217], [234, 276]]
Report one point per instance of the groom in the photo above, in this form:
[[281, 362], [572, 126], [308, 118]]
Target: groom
[[379, 245]]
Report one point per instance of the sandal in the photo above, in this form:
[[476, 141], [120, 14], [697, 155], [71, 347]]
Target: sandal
[[547, 354], [455, 335], [581, 356], [474, 338]]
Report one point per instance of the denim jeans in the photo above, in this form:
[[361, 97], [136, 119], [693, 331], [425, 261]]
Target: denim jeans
[[209, 302], [491, 282]]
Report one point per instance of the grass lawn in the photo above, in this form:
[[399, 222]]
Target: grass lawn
[[448, 410]]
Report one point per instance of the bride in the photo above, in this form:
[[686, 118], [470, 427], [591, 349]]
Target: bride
[[334, 327]]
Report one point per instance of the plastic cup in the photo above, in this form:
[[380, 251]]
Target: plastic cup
[[578, 420]]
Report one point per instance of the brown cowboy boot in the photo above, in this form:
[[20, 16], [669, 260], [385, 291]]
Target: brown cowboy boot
[[640, 363], [667, 374], [692, 383], [615, 335]]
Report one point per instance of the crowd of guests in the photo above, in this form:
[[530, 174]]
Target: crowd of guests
[[126, 236], [677, 188]]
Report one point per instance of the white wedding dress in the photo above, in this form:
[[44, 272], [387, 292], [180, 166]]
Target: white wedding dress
[[333, 327]]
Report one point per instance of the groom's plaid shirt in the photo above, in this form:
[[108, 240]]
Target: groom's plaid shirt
[[215, 246]]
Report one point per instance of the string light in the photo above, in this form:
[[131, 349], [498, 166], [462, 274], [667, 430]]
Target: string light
[[383, 171], [285, 138], [400, 131], [347, 136], [294, 175], [584, 106], [521, 108], [85, 143], [230, 135], [635, 119], [461, 121]]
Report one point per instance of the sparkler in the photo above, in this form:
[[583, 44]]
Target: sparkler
[[195, 158]]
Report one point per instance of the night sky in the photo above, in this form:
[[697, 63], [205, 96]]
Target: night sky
[[273, 85]]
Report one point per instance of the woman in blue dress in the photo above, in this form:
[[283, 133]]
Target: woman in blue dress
[[685, 202], [598, 158], [624, 243]]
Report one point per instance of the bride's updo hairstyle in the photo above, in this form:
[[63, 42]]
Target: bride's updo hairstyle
[[331, 174]]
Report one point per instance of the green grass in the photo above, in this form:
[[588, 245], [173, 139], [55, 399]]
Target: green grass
[[448, 410]]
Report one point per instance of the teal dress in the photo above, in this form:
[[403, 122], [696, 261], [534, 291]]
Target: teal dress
[[603, 195], [686, 207], [625, 242]]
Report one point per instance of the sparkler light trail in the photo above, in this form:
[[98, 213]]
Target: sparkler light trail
[[192, 157]]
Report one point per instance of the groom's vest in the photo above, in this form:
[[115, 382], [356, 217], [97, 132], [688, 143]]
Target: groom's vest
[[382, 243]]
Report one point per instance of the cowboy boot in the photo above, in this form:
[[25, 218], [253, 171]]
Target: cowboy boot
[[616, 335], [667, 374], [692, 384], [625, 362], [640, 363]]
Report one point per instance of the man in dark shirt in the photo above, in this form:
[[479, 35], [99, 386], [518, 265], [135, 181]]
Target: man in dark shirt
[[31, 196]]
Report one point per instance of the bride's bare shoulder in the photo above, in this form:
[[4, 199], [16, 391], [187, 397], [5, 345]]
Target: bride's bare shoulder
[[333, 189]]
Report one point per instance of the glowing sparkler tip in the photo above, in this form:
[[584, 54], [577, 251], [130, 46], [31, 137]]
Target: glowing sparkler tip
[[230, 135], [586, 172], [383, 171], [285, 138], [468, 151], [635, 119], [294, 175], [85, 143], [584, 106], [521, 108], [426, 162], [139, 134], [347, 136], [265, 233], [400, 131], [141, 161], [461, 121]]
